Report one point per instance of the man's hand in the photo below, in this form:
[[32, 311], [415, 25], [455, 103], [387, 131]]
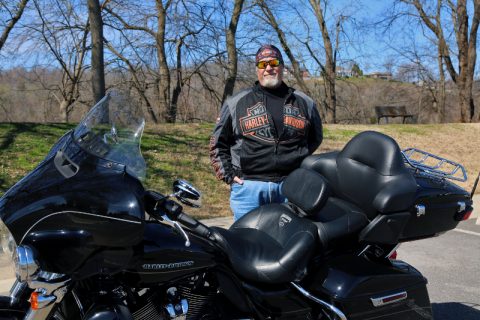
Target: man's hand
[[237, 180]]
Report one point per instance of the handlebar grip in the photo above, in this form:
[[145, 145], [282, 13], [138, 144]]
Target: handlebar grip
[[195, 225]]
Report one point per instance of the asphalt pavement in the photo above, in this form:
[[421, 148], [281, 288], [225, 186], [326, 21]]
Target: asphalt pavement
[[451, 263]]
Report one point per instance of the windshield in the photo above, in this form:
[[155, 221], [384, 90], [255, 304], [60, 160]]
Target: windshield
[[112, 130]]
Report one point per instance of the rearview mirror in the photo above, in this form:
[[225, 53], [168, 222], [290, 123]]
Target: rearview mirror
[[186, 193]]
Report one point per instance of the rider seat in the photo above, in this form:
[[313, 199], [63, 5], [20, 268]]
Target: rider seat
[[311, 196], [271, 244]]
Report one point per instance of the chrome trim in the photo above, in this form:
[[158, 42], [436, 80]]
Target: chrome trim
[[378, 302], [49, 287], [392, 251], [461, 206], [443, 168], [17, 290], [174, 309], [364, 250], [177, 226], [79, 304], [40, 314], [25, 265], [79, 212], [184, 234], [307, 294], [420, 210]]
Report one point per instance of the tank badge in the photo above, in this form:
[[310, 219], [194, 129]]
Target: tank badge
[[284, 220], [167, 266]]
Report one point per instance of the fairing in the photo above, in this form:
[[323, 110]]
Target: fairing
[[85, 198]]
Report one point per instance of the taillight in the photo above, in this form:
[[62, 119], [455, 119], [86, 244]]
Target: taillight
[[464, 211], [467, 214], [393, 255]]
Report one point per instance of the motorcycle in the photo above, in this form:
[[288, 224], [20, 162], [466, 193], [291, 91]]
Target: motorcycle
[[89, 242]]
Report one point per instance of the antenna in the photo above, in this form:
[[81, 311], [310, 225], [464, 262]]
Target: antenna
[[475, 185]]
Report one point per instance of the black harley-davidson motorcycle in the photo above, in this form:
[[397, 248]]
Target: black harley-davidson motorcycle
[[89, 242]]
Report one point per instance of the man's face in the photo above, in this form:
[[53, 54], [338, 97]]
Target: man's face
[[270, 77]]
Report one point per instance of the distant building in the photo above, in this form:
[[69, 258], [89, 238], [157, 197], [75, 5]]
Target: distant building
[[288, 73], [343, 72], [380, 75]]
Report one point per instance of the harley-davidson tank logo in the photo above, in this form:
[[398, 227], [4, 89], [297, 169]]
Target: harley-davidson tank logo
[[256, 123], [167, 266]]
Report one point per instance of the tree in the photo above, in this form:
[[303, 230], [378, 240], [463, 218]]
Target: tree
[[12, 17], [272, 21], [231, 44], [356, 71], [96, 31], [329, 66], [153, 41], [465, 32], [62, 32]]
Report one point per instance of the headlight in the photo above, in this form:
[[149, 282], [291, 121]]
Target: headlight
[[7, 249], [23, 256], [25, 265]]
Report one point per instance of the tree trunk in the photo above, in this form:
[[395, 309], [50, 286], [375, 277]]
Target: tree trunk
[[467, 50], [63, 111], [441, 90], [232, 64], [96, 30], [164, 72], [178, 86], [330, 64]]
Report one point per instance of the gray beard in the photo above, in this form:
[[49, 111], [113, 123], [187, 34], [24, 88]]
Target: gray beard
[[271, 83]]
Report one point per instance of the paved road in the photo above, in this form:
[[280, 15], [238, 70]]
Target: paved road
[[451, 263]]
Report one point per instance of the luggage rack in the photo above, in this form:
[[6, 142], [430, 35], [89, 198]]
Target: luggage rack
[[434, 165]]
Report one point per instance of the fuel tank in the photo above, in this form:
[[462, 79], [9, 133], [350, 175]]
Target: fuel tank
[[80, 225], [163, 256]]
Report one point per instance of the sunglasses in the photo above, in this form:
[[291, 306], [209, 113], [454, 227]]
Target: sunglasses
[[272, 63]]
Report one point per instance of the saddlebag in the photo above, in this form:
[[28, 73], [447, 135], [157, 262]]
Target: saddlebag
[[364, 290]]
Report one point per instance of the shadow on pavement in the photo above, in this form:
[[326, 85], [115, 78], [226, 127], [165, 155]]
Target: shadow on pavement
[[456, 311]]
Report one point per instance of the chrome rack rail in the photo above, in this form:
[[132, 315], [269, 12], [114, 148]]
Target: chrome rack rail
[[434, 165]]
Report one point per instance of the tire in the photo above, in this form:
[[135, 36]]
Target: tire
[[9, 312]]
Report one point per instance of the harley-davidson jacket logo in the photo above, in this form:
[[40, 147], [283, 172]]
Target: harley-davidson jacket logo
[[293, 119], [167, 266], [257, 122]]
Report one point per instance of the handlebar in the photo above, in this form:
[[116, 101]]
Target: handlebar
[[157, 205]]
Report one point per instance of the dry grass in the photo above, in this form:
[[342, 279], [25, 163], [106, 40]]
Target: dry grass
[[189, 157], [456, 142]]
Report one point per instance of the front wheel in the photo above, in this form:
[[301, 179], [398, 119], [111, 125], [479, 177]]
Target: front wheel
[[8, 311]]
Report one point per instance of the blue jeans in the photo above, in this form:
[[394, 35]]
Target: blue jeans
[[252, 194]]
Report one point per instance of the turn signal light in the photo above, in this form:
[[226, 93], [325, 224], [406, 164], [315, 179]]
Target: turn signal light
[[34, 300]]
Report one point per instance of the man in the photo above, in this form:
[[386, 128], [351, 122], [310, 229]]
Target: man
[[263, 133]]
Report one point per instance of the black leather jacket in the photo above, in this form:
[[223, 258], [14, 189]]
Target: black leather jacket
[[245, 143]]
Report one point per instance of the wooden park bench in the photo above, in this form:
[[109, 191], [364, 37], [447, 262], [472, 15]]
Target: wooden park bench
[[391, 112]]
